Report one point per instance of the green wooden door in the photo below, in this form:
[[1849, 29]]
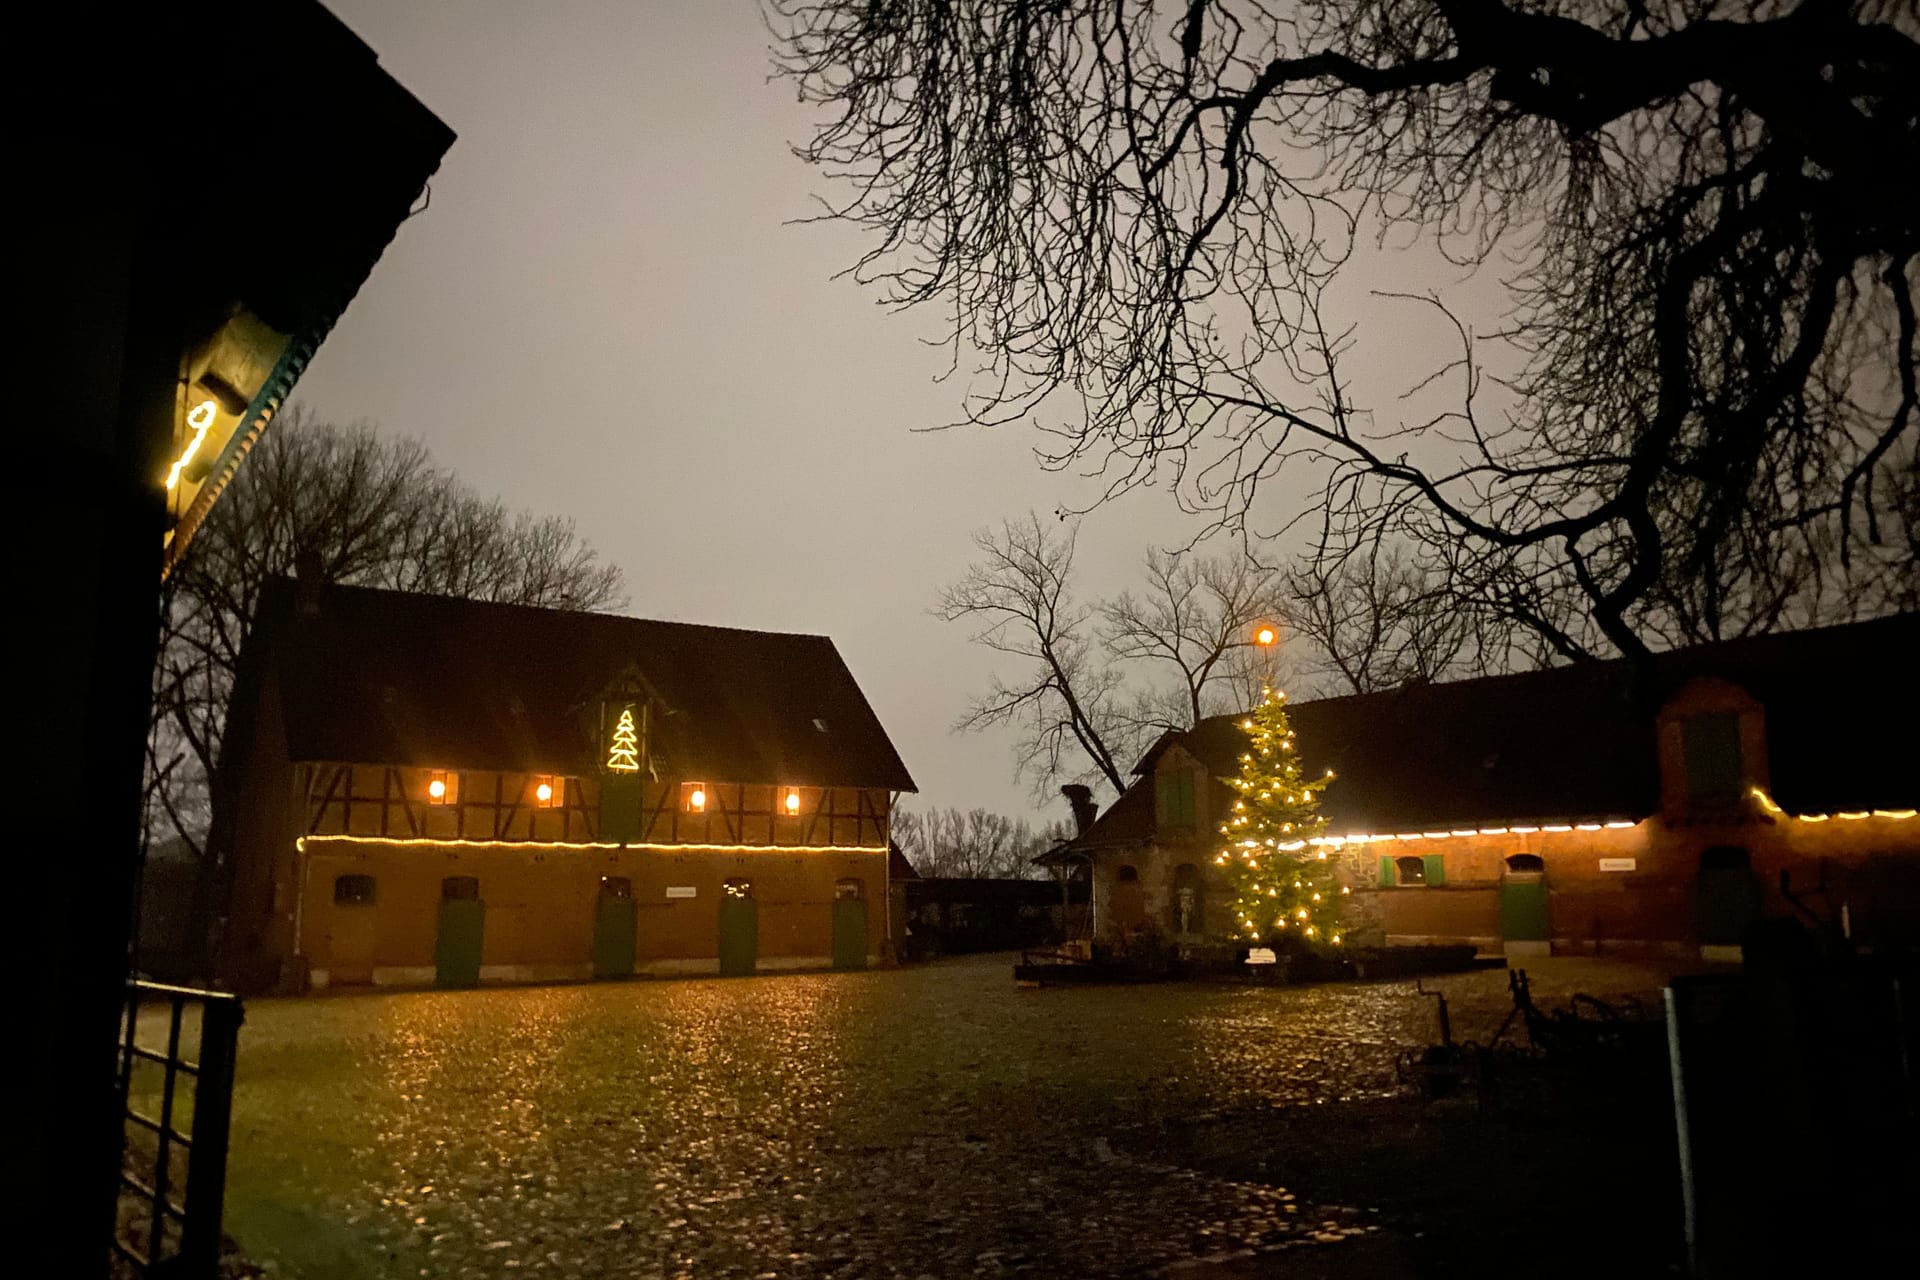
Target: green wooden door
[[613, 930], [463, 919], [739, 928], [1728, 897], [1523, 907], [849, 926]]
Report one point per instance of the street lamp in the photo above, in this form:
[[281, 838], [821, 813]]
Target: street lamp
[[1266, 638]]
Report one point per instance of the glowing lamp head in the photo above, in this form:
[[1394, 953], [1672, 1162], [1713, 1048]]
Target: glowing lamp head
[[437, 789], [544, 791], [1265, 636], [697, 799], [792, 801]]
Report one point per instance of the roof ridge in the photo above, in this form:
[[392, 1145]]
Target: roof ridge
[[286, 583], [1768, 639]]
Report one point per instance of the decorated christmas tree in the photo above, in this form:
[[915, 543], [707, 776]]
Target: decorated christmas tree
[[1284, 886]]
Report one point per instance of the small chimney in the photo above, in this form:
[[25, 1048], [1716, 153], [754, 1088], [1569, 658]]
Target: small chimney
[[308, 578], [1081, 798]]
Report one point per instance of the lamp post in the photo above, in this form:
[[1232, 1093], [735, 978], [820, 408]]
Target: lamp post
[[1266, 638]]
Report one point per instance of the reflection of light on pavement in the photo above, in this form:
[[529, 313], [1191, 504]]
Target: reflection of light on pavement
[[710, 1126]]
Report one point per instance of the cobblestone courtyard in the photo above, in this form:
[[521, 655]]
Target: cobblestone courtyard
[[931, 1121]]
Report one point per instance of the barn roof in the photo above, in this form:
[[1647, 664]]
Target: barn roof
[[391, 677], [1577, 742]]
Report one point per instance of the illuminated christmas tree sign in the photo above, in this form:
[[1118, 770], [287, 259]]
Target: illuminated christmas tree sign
[[624, 755]]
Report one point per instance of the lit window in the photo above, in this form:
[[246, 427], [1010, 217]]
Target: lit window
[[443, 788], [792, 802], [696, 797], [550, 792]]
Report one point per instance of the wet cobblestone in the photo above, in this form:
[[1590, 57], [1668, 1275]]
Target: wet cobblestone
[[925, 1122]]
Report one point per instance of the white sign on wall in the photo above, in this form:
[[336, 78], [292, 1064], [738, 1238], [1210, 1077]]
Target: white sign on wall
[[682, 891], [1618, 864], [1261, 955]]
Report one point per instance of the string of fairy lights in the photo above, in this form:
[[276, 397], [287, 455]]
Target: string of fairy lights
[[1276, 885], [1275, 855]]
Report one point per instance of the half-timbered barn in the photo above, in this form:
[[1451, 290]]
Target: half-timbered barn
[[415, 790], [1580, 808]]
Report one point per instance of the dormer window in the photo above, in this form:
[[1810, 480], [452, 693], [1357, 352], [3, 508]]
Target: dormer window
[[443, 787], [549, 792], [695, 794], [1710, 749]]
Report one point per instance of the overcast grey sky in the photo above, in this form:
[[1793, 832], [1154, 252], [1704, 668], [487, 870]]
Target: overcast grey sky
[[604, 313]]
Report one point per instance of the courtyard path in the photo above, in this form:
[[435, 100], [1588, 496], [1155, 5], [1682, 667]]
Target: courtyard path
[[933, 1121]]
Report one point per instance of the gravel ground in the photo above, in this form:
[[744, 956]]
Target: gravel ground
[[933, 1121]]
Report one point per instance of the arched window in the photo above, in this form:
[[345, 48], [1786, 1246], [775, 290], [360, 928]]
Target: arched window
[[848, 888], [1524, 862], [737, 888], [616, 886], [460, 888], [1127, 874], [1410, 870], [353, 891]]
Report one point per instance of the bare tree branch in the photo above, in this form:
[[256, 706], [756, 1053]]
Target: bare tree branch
[[371, 511], [1135, 216]]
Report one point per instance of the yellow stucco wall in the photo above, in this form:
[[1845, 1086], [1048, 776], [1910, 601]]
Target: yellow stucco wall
[[540, 907]]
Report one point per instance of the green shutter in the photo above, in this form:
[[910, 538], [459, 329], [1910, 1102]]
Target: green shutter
[[622, 808], [1436, 867], [1173, 799], [1386, 870]]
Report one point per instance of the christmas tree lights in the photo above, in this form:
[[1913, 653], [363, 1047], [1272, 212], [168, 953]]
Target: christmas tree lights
[[1272, 856]]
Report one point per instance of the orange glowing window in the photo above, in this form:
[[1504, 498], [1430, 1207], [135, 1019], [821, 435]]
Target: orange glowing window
[[549, 792], [696, 794], [443, 788], [791, 802]]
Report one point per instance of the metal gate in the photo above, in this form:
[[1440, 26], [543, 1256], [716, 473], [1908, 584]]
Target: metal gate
[[739, 928], [463, 919], [614, 928], [169, 1219]]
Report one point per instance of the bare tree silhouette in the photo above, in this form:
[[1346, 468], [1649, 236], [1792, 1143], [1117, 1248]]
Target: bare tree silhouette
[[357, 508], [1088, 684], [1134, 214]]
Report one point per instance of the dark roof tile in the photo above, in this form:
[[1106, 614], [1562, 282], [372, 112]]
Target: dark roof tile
[[396, 678], [1577, 742]]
